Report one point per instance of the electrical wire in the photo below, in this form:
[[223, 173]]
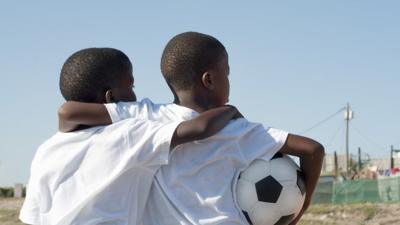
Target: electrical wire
[[367, 138], [340, 128], [323, 121]]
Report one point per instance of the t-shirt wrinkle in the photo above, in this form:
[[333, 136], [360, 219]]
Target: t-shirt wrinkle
[[97, 176], [197, 187]]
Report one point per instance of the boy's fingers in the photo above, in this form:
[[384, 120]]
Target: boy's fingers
[[238, 115], [296, 220]]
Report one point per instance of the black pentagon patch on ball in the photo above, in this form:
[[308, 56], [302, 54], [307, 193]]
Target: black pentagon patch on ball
[[285, 220], [300, 182], [247, 217], [268, 189], [277, 155]]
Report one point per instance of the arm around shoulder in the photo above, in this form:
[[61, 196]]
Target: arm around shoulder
[[73, 114], [205, 125]]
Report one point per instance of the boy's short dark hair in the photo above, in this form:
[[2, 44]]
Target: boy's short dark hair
[[89, 73], [187, 56]]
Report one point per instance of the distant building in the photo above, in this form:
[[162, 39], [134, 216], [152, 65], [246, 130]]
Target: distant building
[[384, 164], [328, 166]]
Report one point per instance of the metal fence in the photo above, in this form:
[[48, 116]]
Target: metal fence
[[355, 191]]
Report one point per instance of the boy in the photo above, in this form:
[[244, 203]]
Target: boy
[[198, 185], [102, 175]]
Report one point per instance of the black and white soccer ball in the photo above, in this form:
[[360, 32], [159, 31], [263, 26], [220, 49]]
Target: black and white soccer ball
[[271, 192]]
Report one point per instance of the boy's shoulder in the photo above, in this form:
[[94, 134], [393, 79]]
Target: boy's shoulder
[[147, 109]]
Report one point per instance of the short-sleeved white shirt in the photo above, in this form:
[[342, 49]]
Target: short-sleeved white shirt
[[197, 186], [100, 175]]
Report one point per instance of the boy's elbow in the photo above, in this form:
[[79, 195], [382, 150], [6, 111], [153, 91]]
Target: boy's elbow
[[65, 127], [63, 118], [318, 150], [66, 113], [63, 113]]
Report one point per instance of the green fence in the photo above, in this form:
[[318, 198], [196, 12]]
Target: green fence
[[381, 190]]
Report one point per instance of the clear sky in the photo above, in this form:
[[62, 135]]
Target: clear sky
[[293, 64]]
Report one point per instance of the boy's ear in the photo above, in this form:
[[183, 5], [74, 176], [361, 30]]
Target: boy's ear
[[108, 96], [207, 80]]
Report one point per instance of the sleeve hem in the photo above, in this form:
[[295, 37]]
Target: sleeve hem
[[280, 137], [33, 220], [112, 112], [164, 142]]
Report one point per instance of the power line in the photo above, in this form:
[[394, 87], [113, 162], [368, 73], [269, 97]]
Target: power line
[[396, 143], [367, 138], [340, 128], [388, 146], [323, 121]]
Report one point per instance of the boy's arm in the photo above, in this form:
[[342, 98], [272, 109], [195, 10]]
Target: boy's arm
[[311, 154], [205, 125], [73, 114]]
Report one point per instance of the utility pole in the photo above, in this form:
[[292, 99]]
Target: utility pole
[[336, 165], [359, 158], [348, 115], [392, 150]]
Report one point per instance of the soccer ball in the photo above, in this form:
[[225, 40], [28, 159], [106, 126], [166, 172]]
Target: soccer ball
[[271, 192]]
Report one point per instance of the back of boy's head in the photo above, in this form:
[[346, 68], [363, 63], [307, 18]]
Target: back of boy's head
[[187, 56], [88, 73]]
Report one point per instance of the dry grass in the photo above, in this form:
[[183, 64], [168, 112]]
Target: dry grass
[[353, 214], [9, 211], [323, 214]]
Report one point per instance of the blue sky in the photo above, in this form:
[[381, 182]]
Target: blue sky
[[293, 63]]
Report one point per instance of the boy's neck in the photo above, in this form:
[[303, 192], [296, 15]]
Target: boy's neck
[[196, 102]]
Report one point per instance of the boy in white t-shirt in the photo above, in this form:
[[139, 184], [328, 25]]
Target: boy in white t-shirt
[[197, 186], [102, 175]]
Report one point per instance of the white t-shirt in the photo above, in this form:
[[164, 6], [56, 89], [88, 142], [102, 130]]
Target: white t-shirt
[[198, 184], [100, 175]]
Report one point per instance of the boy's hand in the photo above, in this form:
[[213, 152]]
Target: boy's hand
[[305, 207], [238, 115]]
